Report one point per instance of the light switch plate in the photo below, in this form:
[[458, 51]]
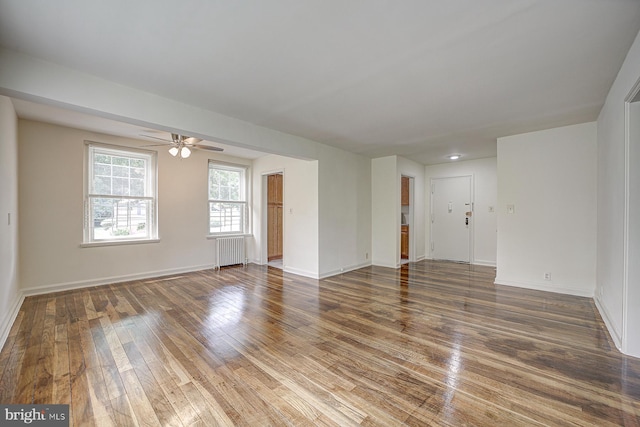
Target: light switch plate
[[511, 209]]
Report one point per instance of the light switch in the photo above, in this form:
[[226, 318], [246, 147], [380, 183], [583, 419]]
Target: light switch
[[490, 209], [450, 207], [511, 209]]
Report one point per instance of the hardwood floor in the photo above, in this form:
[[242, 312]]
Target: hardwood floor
[[433, 343]]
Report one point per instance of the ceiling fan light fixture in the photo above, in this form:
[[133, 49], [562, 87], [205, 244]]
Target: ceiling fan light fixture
[[173, 151], [185, 152]]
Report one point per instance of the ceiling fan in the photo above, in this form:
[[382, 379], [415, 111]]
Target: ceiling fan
[[181, 145]]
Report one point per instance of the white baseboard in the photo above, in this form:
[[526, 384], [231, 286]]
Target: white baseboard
[[345, 269], [421, 258], [384, 264], [300, 272], [485, 263], [474, 262], [9, 318], [606, 317], [109, 280], [544, 286]]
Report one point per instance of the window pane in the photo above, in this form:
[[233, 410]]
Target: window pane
[[120, 161], [137, 187], [226, 184], [102, 185], [101, 169], [120, 187], [214, 184], [118, 175], [137, 173], [102, 158], [224, 193], [120, 171], [226, 217], [120, 219]]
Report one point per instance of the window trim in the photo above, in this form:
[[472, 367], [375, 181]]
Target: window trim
[[151, 193], [246, 169]]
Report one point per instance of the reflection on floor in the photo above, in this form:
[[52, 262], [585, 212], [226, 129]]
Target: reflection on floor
[[276, 263], [430, 343]]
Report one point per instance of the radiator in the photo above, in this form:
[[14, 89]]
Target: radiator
[[229, 251]]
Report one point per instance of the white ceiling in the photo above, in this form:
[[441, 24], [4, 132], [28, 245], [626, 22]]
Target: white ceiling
[[421, 78]]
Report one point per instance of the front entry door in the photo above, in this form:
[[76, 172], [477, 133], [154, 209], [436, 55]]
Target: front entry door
[[451, 218]]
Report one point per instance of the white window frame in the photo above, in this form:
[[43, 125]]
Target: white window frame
[[245, 176], [150, 194]]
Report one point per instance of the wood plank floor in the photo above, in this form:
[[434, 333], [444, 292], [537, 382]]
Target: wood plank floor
[[433, 343]]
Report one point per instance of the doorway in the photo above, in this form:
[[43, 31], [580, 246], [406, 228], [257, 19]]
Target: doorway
[[406, 218], [451, 218], [274, 219]]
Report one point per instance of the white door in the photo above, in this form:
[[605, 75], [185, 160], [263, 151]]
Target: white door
[[451, 218]]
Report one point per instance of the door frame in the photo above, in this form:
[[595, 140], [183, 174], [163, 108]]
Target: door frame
[[412, 223], [471, 201], [264, 208]]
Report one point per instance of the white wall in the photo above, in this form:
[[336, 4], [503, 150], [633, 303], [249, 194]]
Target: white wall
[[51, 212], [385, 212], [300, 213], [345, 211], [417, 243], [386, 185], [611, 294], [631, 337], [485, 195], [10, 295], [550, 178]]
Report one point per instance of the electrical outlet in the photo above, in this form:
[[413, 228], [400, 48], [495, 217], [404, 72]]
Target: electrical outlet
[[547, 276]]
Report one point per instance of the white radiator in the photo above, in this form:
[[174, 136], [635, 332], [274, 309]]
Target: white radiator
[[229, 251]]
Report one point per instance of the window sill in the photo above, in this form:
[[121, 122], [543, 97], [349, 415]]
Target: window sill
[[118, 243], [220, 236]]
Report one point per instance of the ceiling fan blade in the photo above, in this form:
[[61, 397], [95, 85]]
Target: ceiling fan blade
[[207, 147], [191, 140], [166, 144]]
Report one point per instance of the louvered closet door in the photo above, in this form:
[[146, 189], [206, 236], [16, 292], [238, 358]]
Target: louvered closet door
[[274, 217]]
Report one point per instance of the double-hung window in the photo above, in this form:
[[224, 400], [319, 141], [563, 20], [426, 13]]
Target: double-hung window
[[120, 194], [227, 199]]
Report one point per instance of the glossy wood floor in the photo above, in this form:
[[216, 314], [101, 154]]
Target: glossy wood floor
[[433, 343]]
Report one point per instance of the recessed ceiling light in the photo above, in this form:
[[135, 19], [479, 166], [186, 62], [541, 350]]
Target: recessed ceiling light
[[454, 157]]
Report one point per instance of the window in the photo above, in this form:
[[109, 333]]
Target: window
[[227, 199], [120, 198]]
